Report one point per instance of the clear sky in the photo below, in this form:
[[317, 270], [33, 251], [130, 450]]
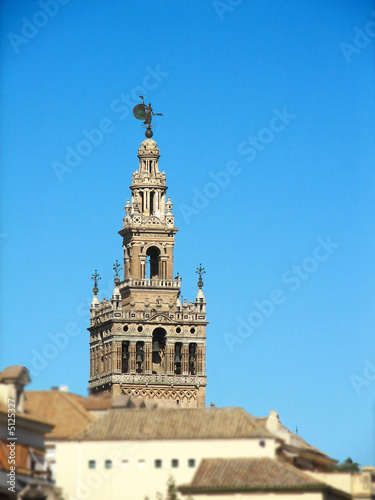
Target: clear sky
[[267, 141]]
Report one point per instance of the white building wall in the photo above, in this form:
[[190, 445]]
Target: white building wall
[[260, 496], [133, 475]]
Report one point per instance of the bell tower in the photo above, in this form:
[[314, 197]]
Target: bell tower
[[144, 341]]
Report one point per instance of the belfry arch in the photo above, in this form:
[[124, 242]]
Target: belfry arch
[[153, 262], [159, 336]]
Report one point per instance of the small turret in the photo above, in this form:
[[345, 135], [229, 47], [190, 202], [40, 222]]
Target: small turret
[[116, 296], [200, 300], [95, 301], [128, 208]]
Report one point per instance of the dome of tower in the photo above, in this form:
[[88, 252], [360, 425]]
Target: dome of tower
[[148, 147]]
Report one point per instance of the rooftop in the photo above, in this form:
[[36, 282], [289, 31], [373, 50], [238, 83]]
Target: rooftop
[[67, 412], [249, 474], [163, 423]]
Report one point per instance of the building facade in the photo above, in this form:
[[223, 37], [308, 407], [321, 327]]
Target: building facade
[[131, 453], [144, 341], [22, 440]]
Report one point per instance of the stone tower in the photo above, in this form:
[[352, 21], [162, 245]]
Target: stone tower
[[144, 341]]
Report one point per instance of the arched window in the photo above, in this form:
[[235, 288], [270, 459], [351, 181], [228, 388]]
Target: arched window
[[158, 350], [153, 260], [125, 357], [178, 358], [192, 358], [139, 357]]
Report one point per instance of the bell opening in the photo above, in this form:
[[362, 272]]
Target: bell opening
[[158, 350]]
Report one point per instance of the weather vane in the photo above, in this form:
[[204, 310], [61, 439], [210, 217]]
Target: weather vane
[[200, 271], [145, 113], [95, 277], [116, 268]]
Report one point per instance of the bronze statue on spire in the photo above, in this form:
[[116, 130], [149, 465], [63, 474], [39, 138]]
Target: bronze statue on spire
[[145, 113]]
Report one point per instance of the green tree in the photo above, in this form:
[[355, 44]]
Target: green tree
[[171, 491], [346, 466]]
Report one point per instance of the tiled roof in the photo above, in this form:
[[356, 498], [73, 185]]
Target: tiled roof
[[16, 373], [163, 423], [64, 410], [25, 417], [249, 474]]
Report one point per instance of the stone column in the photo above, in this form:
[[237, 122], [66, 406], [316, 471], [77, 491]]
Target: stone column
[[162, 203], [100, 359], [94, 361], [200, 360], [91, 363], [118, 357], [132, 364], [148, 358], [170, 358], [185, 359]]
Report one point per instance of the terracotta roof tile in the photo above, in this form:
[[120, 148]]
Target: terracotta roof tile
[[15, 372], [66, 411], [249, 473], [25, 417], [163, 423]]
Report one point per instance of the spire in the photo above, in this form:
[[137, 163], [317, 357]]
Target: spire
[[200, 271], [95, 277], [117, 268], [115, 300], [116, 280]]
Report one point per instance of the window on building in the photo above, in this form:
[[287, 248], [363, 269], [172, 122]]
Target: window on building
[[141, 464], [191, 462], [174, 462], [108, 464], [92, 464], [158, 463], [125, 464]]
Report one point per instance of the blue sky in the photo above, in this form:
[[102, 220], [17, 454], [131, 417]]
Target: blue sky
[[280, 97]]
